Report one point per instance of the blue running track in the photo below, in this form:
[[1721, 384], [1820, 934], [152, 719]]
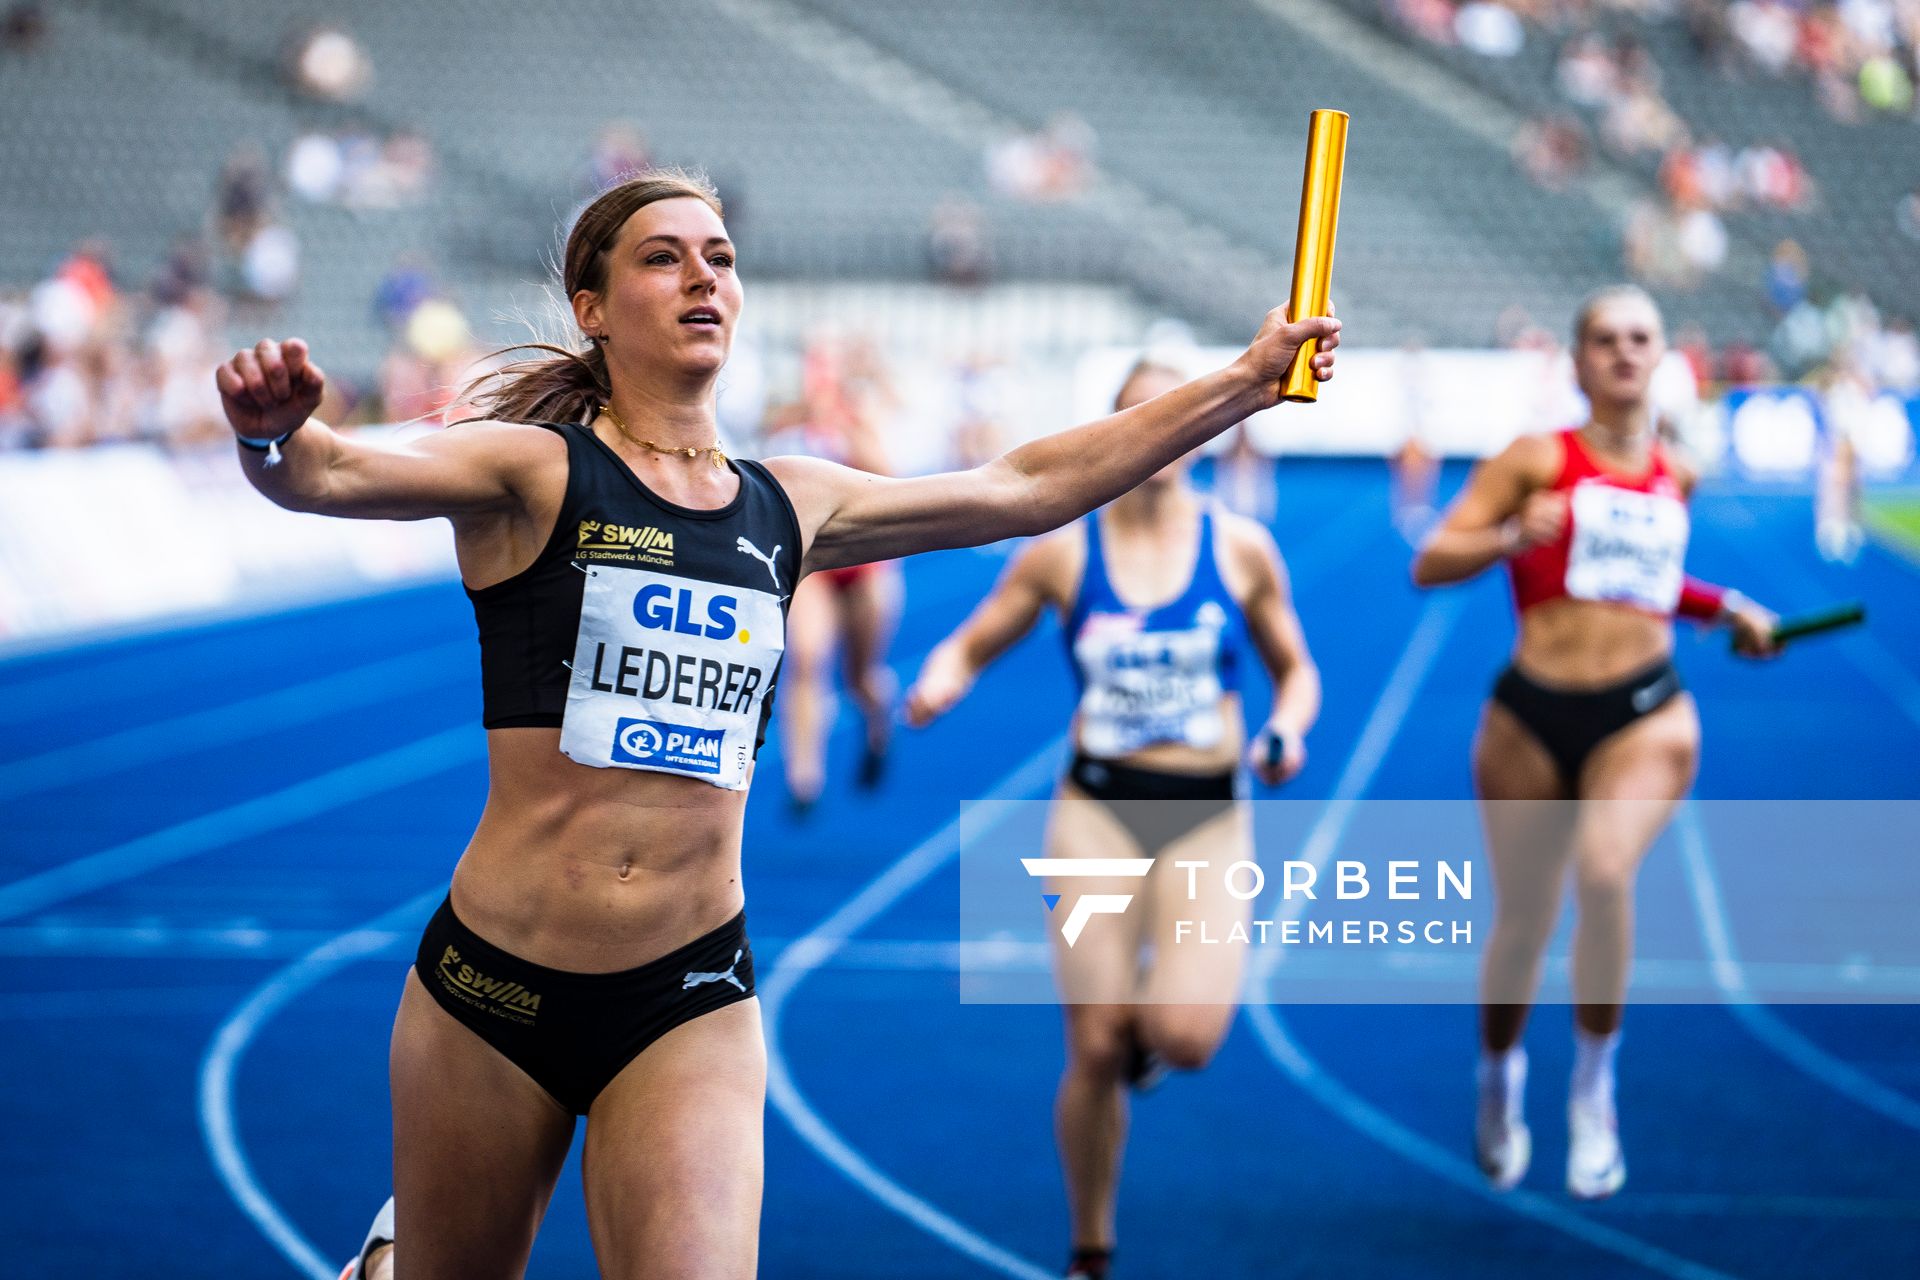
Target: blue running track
[[219, 845]]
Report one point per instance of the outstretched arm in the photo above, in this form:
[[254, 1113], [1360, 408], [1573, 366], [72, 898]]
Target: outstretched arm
[[273, 388], [1275, 629], [1502, 512], [1034, 580], [849, 517]]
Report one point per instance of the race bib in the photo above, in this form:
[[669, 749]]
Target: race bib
[[670, 674], [1145, 687], [1627, 547]]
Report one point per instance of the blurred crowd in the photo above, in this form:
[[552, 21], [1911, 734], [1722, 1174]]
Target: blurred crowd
[[83, 361], [1861, 59], [90, 354]]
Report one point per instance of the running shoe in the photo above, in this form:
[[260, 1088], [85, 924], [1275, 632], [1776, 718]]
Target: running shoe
[[381, 1232], [1503, 1148], [1596, 1167]]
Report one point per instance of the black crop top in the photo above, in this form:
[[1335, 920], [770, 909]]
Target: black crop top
[[529, 623]]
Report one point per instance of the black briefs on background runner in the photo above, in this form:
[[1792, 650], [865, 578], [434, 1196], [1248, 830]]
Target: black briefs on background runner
[[1156, 807], [1570, 723], [574, 1032]]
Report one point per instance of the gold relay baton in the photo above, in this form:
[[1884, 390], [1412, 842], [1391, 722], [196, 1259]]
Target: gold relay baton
[[1313, 245]]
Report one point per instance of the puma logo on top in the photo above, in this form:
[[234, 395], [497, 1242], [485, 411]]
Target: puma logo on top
[[695, 979], [742, 545]]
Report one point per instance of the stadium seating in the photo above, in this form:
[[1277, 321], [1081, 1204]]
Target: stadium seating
[[1201, 107], [1849, 233]]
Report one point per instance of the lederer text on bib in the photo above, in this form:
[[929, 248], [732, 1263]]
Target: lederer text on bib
[[1627, 547], [670, 674]]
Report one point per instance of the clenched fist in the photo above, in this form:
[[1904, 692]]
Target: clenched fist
[[270, 389]]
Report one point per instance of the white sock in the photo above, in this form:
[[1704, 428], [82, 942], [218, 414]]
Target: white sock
[[1502, 1077], [1593, 1068]]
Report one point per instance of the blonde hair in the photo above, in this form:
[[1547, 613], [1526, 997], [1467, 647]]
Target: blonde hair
[[1601, 297], [1144, 366], [570, 385]]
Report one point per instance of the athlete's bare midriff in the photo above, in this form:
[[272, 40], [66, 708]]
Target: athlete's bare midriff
[[595, 870], [1586, 643]]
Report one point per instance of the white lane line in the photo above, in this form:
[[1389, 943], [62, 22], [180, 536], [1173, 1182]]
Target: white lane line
[[831, 938], [1388, 715], [286, 807], [794, 963], [229, 1045], [1880, 666], [820, 945], [1762, 1023], [1678, 981], [299, 704]]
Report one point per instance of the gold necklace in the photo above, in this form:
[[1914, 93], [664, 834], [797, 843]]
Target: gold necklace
[[690, 451]]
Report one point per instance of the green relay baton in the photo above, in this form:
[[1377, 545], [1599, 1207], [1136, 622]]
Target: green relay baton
[[1814, 623]]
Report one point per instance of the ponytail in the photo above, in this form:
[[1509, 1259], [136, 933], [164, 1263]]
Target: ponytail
[[567, 386]]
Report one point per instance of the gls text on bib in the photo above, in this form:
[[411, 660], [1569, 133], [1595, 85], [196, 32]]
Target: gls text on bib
[[670, 674]]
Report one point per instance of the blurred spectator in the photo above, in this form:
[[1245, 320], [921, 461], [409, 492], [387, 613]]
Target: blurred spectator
[[1786, 283], [1772, 176], [1906, 214], [407, 283], [1488, 29], [1707, 25], [270, 264], [1703, 241], [1638, 121], [23, 27], [979, 433], [1552, 152], [425, 370], [314, 167], [329, 64], [1692, 344], [1885, 84], [89, 269], [1767, 32], [242, 197], [958, 251], [1585, 70], [1893, 359], [358, 170], [1744, 365], [179, 401], [1431, 20], [184, 273], [1655, 254], [1050, 166], [620, 150]]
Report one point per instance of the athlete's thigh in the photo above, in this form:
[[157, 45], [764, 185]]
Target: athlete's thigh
[[1525, 813], [477, 1146], [1509, 763], [1632, 783], [673, 1157], [1102, 965], [1192, 986], [1196, 924], [869, 607], [812, 621]]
